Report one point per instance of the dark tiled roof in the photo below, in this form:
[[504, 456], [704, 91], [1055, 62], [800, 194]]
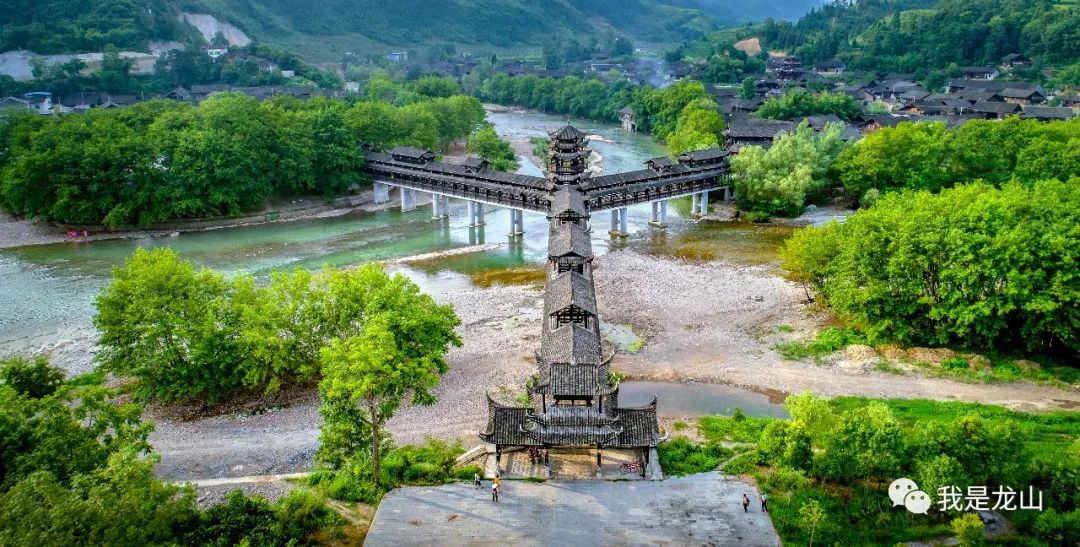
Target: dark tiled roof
[[708, 155], [567, 133], [750, 128], [995, 107], [1047, 113], [575, 380], [566, 199], [570, 344], [410, 153], [565, 239], [569, 289], [1018, 93]]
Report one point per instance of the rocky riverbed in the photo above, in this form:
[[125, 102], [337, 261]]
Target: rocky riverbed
[[703, 322]]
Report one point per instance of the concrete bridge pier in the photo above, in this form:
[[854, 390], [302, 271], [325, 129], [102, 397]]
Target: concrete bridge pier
[[382, 192], [700, 204], [408, 199], [476, 213], [659, 214], [440, 206], [517, 222], [729, 193], [618, 222]]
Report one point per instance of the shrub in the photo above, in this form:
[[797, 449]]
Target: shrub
[[955, 363], [969, 530], [681, 457], [34, 378]]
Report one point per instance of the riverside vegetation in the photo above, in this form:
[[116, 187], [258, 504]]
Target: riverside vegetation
[[837, 457], [162, 160], [375, 341]]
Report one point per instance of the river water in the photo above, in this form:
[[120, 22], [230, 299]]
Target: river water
[[47, 291]]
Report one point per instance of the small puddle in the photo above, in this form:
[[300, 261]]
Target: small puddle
[[1067, 404], [622, 337], [693, 400]]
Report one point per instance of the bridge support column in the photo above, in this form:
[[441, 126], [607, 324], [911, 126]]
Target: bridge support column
[[382, 192], [408, 199], [618, 222], [476, 213], [659, 214], [701, 204], [440, 206], [695, 203], [517, 222]]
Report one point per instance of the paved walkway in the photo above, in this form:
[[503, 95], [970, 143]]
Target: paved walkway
[[697, 510]]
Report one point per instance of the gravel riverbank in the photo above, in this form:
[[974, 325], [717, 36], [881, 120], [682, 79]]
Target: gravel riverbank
[[709, 322]]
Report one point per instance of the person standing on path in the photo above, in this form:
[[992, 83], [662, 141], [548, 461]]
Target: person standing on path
[[764, 502], [494, 491], [498, 484], [745, 503], [476, 480]]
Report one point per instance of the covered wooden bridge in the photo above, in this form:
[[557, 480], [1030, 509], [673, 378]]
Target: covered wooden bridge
[[414, 170]]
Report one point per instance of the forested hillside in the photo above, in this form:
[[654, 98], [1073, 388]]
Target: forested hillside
[[907, 35], [65, 26], [327, 29]]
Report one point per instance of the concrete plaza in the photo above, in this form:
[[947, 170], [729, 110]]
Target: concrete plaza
[[701, 509]]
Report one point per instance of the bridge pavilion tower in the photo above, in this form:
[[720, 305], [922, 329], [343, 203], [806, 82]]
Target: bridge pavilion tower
[[568, 156]]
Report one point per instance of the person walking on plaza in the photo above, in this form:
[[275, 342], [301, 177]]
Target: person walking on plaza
[[764, 502], [494, 491], [476, 480], [745, 503]]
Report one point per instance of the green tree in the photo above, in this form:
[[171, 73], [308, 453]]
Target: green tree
[[487, 144], [867, 443], [394, 355], [811, 515], [796, 168], [798, 104], [33, 378], [169, 325], [973, 265], [969, 530], [747, 90]]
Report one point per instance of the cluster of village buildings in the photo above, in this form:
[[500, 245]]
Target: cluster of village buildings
[[980, 93]]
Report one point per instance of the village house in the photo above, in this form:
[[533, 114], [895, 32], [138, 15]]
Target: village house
[[1013, 60], [1047, 113], [1071, 101], [1023, 95], [215, 52], [830, 67], [397, 57], [993, 110], [626, 117], [979, 72], [749, 131]]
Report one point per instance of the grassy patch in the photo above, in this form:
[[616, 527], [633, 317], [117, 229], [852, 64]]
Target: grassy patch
[[681, 457], [792, 351], [887, 367], [827, 341], [860, 512], [785, 328], [736, 428]]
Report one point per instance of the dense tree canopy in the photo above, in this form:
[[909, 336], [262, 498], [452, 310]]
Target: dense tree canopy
[[187, 333], [797, 168], [972, 266], [920, 35], [161, 160], [927, 156], [799, 104]]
